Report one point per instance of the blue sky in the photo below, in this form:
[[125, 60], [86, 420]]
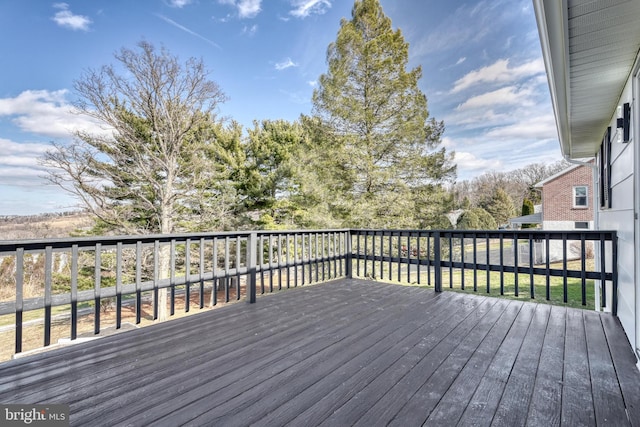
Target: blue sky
[[482, 71]]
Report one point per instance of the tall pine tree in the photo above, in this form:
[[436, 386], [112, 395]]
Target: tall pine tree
[[528, 209], [377, 133]]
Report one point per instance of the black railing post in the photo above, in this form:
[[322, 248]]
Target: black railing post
[[252, 256], [119, 285], [48, 281], [19, 297], [349, 255], [614, 275], [437, 261], [74, 292], [96, 288]]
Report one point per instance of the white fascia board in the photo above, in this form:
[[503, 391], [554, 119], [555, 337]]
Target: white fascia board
[[552, 19]]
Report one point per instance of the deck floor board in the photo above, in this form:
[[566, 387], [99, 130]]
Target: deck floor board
[[388, 406], [545, 408], [577, 400], [347, 352], [519, 387], [331, 392]]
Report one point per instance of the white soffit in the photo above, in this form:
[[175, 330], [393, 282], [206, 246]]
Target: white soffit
[[589, 48]]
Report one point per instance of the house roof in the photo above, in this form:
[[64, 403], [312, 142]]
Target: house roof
[[589, 48], [557, 175], [535, 218]]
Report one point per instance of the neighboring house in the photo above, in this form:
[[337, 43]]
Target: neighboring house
[[567, 199], [534, 218], [593, 67], [567, 204]]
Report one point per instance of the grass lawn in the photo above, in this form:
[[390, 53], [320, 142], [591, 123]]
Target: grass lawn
[[556, 294]]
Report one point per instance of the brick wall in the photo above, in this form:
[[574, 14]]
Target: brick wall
[[558, 199]]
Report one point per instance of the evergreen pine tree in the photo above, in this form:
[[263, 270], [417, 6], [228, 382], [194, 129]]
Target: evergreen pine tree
[[500, 206], [381, 143], [528, 209]]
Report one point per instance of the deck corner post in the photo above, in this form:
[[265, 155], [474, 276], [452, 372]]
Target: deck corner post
[[252, 253], [19, 303], [348, 255], [437, 262], [614, 266]]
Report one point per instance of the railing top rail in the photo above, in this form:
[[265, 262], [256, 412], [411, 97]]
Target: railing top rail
[[552, 234], [536, 234], [92, 241], [89, 242], [315, 231], [36, 244], [40, 244]]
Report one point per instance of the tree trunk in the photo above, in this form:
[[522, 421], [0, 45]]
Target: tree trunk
[[166, 227], [165, 256]]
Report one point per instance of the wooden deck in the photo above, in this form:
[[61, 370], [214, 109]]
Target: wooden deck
[[347, 352]]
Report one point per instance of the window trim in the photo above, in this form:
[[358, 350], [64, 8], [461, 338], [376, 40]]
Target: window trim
[[605, 171], [585, 196]]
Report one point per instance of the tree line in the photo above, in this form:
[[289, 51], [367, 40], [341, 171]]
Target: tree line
[[489, 200]]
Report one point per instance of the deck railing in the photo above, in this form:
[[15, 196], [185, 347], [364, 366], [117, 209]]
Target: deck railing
[[88, 279], [66, 278], [567, 267]]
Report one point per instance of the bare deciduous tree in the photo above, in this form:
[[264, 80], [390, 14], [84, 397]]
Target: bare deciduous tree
[[154, 123], [518, 184], [150, 157]]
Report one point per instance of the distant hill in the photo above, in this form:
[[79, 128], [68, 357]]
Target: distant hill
[[43, 226]]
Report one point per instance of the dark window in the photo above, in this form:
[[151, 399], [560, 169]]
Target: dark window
[[580, 198], [605, 171], [582, 225]]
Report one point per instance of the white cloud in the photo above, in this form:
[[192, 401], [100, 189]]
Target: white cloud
[[510, 95], [11, 148], [461, 60], [66, 19], [180, 3], [19, 174], [312, 83], [19, 163], [246, 8], [538, 127], [469, 162], [223, 20], [46, 113], [287, 63], [499, 72], [304, 8], [447, 142], [250, 31], [477, 119]]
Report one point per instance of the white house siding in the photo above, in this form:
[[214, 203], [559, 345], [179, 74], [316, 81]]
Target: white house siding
[[620, 217]]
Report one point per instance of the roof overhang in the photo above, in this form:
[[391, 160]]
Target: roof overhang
[[589, 48], [527, 219]]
